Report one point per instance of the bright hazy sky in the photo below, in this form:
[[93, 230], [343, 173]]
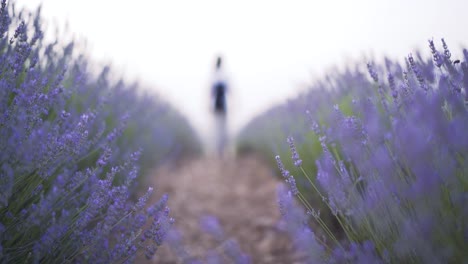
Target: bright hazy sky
[[270, 48]]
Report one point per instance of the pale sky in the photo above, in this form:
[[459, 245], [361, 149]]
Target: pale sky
[[270, 48]]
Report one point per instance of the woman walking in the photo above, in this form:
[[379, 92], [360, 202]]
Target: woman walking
[[218, 94]]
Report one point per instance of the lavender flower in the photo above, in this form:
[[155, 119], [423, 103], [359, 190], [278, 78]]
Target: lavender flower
[[446, 50], [142, 200], [233, 251], [287, 176], [372, 72], [211, 225], [227, 250], [281, 168], [295, 218], [294, 155], [5, 19], [417, 72], [435, 54]]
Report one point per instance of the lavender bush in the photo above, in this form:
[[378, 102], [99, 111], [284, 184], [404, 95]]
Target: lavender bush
[[266, 134], [70, 151], [393, 167]]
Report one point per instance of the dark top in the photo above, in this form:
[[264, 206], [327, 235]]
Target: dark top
[[219, 90]]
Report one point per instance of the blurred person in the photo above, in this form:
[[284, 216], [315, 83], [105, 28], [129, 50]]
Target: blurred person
[[219, 90]]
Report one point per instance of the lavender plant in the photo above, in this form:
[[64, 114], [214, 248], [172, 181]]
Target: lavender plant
[[266, 134], [393, 170], [227, 250], [70, 154]]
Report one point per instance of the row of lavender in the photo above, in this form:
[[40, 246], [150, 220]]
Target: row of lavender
[[385, 151], [71, 151]]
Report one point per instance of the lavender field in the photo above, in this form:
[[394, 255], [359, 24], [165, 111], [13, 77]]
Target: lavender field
[[377, 157], [74, 145], [368, 165]]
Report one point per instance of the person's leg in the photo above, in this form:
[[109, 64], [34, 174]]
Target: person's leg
[[221, 133]]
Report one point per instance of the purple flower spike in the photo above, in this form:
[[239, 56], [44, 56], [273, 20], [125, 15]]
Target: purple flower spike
[[211, 225], [447, 52], [372, 72], [294, 155], [287, 176], [417, 72], [283, 171], [435, 54]]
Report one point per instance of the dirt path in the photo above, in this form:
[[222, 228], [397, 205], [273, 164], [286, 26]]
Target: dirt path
[[240, 192]]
